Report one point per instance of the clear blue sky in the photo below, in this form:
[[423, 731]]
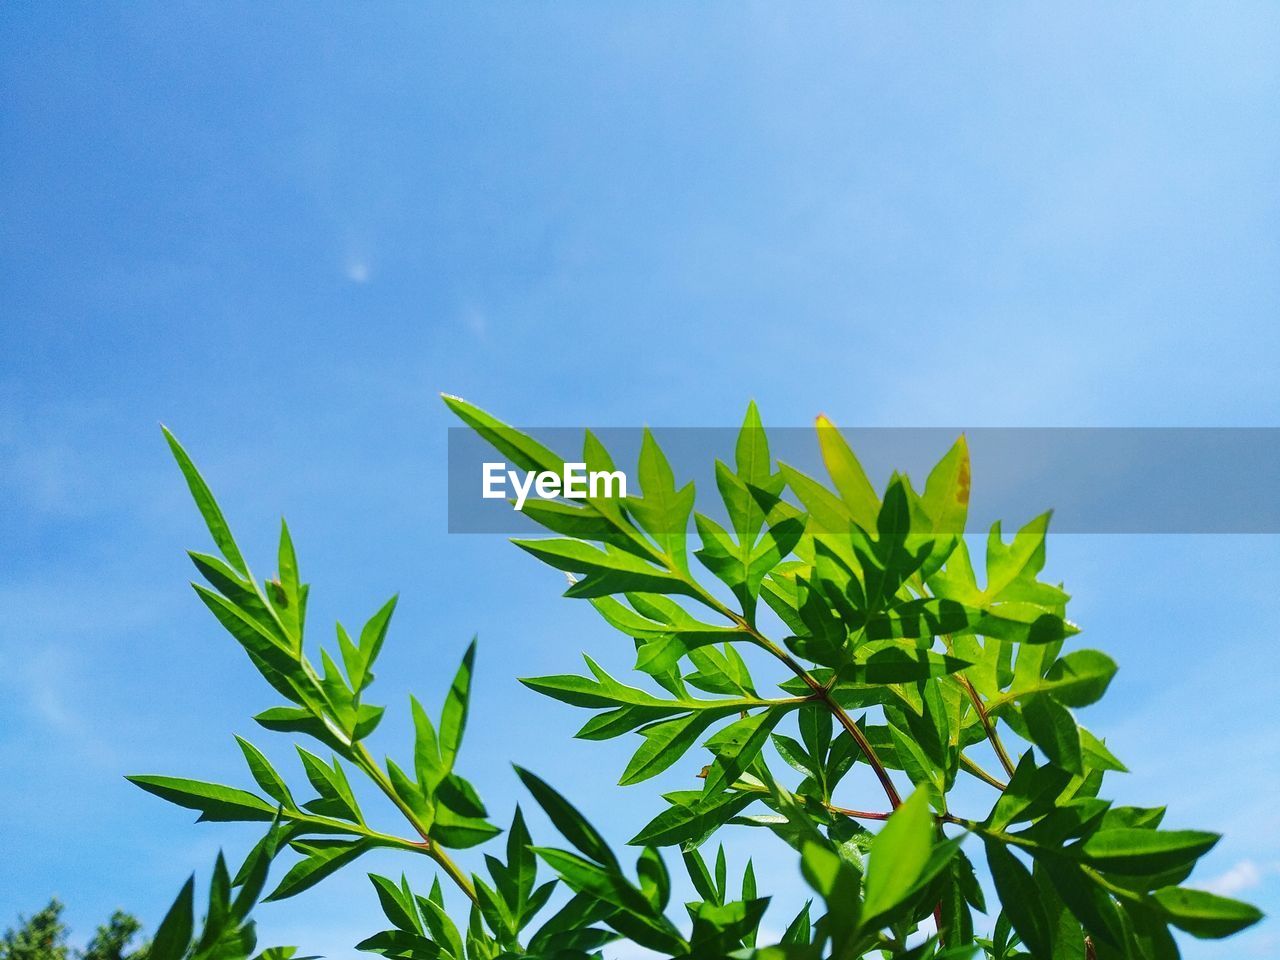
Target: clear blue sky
[[282, 230]]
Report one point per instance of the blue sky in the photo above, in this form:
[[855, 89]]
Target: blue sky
[[283, 230]]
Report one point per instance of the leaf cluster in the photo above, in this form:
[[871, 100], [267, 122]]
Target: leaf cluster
[[892, 654]]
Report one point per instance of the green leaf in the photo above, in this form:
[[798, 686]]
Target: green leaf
[[292, 600], [207, 505], [1096, 754], [1135, 851], [336, 798], [271, 782], [665, 742], [322, 858], [1053, 729], [1205, 915], [1021, 899], [898, 662], [258, 641], [1081, 677], [494, 910], [1089, 902], [1020, 560], [427, 761], [751, 497], [795, 756], [894, 556], [827, 514], [367, 719], [664, 653], [614, 723], [571, 824], [815, 724], [522, 450], [241, 594], [453, 717], [396, 905], [737, 746], [459, 795], [218, 916], [252, 875], [958, 884], [837, 881], [751, 451], [576, 915], [720, 670], [522, 866], [398, 943], [584, 692], [173, 936], [214, 801], [946, 491], [898, 855], [925, 617], [412, 795], [700, 876], [1031, 792], [924, 773], [1076, 680], [798, 930], [300, 720], [691, 817], [655, 881], [720, 929], [606, 571], [359, 660], [663, 511], [607, 883], [442, 929], [846, 472], [459, 831]]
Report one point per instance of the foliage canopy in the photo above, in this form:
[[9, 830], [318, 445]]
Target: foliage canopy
[[43, 936], [892, 651]]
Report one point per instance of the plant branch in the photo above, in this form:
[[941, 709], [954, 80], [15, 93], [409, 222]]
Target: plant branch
[[820, 692], [987, 724], [869, 815], [747, 787], [366, 762], [981, 774]]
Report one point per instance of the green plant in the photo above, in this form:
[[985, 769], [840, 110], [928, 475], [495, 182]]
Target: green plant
[[43, 936], [111, 941], [890, 655]]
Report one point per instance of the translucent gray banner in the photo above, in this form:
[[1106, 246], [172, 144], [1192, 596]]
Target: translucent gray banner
[[1096, 480]]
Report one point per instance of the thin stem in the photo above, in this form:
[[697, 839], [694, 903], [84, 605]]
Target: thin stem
[[992, 734], [428, 846], [869, 815], [745, 787], [821, 692], [857, 814], [990, 728], [981, 774], [383, 839], [987, 725]]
